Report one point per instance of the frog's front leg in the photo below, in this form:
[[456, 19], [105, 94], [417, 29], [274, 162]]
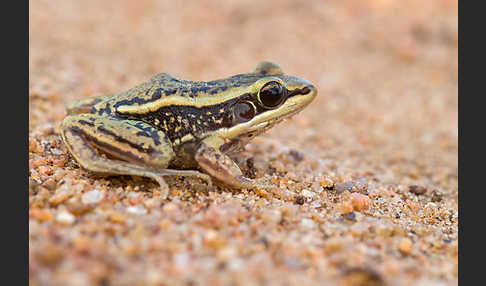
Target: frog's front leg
[[136, 147], [222, 167]]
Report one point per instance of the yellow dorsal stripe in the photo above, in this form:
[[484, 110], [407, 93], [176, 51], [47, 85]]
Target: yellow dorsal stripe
[[182, 100]]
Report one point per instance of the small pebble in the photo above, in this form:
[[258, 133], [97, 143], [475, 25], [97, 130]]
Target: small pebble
[[360, 202], [307, 223], [56, 151], [137, 210], [405, 245], [316, 204], [78, 208], [347, 206], [308, 194], [59, 197], [326, 183], [361, 276], [316, 187], [81, 243], [296, 155], [213, 240], [46, 170], [65, 217], [300, 200], [92, 197], [417, 190], [41, 215], [50, 255], [345, 186], [436, 196], [117, 217]]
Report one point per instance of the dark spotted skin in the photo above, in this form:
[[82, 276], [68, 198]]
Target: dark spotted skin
[[183, 120]]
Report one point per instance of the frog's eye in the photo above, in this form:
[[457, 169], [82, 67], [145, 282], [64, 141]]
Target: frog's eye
[[244, 111], [272, 94]]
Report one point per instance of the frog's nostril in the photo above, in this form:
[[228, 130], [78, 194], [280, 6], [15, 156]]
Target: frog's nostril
[[306, 90]]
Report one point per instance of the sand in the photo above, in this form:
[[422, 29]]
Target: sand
[[366, 177]]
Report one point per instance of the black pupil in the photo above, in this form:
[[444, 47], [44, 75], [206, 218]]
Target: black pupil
[[271, 94], [244, 111]]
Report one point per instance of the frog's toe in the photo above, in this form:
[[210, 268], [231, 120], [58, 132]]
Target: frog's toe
[[163, 187], [207, 179], [158, 178]]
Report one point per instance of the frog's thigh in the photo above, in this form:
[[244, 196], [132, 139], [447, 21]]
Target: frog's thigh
[[144, 153], [132, 141]]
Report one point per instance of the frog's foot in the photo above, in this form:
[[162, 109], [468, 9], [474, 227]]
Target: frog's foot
[[224, 169]]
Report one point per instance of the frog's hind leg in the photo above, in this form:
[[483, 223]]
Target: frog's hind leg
[[136, 147], [83, 105]]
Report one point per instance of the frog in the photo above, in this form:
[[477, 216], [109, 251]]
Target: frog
[[168, 126]]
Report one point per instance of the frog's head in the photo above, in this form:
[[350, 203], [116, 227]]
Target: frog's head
[[270, 98]]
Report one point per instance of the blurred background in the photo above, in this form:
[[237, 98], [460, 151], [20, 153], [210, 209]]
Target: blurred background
[[386, 73]]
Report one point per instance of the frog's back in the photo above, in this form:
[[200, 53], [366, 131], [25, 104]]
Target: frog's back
[[165, 85], [165, 90]]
